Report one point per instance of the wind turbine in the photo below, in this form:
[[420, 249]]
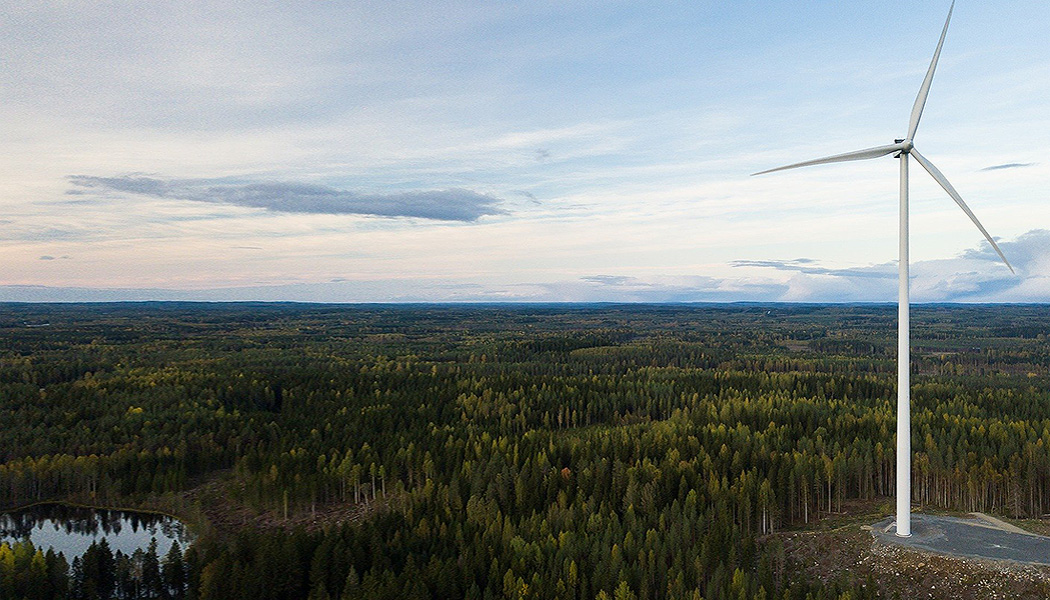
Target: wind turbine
[[903, 148]]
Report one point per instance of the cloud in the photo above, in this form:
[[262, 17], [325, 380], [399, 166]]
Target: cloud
[[338, 289], [49, 257], [531, 197], [1008, 166], [619, 288], [290, 197], [807, 266], [613, 280], [976, 275], [65, 233]]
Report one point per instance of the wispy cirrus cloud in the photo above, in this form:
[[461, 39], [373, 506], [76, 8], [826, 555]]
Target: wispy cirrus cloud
[[809, 267], [290, 197], [1008, 166], [613, 280]]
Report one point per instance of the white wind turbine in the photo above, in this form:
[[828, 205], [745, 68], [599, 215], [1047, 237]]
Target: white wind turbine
[[903, 149]]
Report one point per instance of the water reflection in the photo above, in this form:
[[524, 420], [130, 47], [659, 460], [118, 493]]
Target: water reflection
[[71, 529]]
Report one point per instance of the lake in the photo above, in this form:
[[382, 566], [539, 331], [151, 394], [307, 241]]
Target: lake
[[71, 529]]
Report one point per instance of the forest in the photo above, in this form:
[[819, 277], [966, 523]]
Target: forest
[[593, 452]]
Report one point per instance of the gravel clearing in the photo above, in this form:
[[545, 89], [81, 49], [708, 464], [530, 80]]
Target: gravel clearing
[[977, 537], [845, 548]]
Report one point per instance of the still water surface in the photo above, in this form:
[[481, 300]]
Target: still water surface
[[71, 529]]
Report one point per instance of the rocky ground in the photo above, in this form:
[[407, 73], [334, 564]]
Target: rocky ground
[[841, 547]]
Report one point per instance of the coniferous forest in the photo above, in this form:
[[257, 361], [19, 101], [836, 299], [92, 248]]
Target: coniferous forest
[[494, 451]]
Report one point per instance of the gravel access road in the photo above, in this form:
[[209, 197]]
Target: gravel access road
[[978, 537]]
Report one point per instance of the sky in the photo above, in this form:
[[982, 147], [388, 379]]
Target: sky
[[511, 150]]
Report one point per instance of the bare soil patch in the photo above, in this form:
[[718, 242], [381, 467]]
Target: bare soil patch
[[227, 516]]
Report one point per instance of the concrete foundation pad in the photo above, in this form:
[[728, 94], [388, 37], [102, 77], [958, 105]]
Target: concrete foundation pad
[[978, 537]]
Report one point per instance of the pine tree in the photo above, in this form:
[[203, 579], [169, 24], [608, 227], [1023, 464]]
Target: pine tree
[[152, 582], [173, 572]]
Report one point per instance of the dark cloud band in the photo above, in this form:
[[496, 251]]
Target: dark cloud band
[[1008, 166], [440, 205]]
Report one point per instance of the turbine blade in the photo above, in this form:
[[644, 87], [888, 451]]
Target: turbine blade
[[856, 155], [924, 91], [941, 179]]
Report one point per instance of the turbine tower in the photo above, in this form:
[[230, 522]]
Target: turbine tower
[[902, 149]]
